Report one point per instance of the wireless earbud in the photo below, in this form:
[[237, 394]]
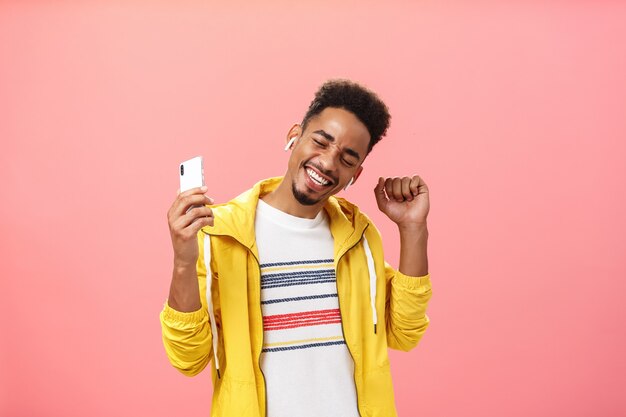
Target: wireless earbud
[[348, 184], [291, 141]]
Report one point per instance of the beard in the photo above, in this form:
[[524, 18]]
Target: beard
[[302, 198]]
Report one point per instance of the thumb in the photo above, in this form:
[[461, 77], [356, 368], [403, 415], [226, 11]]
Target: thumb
[[379, 192]]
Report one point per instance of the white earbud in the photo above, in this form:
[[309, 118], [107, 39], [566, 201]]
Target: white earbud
[[291, 141], [348, 184]]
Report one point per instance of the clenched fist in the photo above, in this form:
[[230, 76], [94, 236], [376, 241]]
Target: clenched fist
[[403, 199]]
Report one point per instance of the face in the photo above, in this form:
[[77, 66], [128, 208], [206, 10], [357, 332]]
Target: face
[[326, 155]]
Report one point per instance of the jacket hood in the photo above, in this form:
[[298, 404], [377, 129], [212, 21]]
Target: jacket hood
[[236, 217]]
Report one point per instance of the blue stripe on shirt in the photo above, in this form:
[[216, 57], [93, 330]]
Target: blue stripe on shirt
[[314, 261], [308, 297], [310, 345]]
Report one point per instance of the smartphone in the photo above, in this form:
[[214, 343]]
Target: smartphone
[[191, 174]]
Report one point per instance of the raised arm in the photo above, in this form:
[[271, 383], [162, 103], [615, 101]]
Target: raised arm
[[185, 325], [406, 202]]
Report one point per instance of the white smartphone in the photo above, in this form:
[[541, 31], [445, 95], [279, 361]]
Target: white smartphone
[[191, 174]]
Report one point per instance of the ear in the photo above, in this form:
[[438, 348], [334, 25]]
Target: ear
[[357, 174], [294, 132]]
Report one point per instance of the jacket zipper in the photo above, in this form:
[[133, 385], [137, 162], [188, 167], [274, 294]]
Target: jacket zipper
[[356, 390]]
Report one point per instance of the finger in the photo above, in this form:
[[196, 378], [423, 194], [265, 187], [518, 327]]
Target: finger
[[202, 219], [389, 188], [414, 185], [196, 213], [175, 207], [196, 190], [200, 223], [180, 225], [182, 203], [379, 193], [180, 209], [192, 229], [406, 189], [396, 189], [421, 185]]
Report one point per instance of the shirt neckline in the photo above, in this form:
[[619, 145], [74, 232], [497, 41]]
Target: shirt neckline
[[269, 212]]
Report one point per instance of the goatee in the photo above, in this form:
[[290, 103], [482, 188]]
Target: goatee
[[302, 198]]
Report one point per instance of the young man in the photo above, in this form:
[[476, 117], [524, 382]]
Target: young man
[[285, 289]]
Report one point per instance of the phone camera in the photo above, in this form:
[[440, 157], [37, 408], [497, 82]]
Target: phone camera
[[182, 169]]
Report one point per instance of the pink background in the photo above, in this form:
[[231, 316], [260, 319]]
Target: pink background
[[513, 113]]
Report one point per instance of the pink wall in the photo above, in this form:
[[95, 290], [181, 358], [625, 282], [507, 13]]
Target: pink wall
[[514, 114]]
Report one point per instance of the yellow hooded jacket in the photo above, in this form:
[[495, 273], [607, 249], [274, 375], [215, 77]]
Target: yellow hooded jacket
[[228, 328]]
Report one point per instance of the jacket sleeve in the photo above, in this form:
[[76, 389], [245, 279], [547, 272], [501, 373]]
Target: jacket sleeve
[[405, 310], [187, 335]]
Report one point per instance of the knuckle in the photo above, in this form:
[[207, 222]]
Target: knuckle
[[178, 234], [195, 212]]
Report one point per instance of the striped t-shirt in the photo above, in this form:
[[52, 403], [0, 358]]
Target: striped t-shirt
[[307, 366]]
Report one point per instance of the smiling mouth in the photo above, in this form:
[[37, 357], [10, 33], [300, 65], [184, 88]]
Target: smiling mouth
[[316, 178]]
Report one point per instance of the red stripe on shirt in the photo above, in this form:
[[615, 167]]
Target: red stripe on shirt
[[302, 324], [302, 319], [303, 314]]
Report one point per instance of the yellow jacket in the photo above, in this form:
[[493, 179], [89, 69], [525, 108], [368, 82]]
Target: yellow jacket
[[229, 326]]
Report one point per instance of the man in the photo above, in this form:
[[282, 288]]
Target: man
[[300, 306]]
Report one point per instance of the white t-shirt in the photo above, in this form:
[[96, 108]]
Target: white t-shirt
[[307, 366]]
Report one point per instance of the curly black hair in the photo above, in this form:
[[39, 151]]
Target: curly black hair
[[358, 100]]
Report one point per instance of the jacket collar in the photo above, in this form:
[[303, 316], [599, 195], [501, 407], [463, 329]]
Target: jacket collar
[[236, 218]]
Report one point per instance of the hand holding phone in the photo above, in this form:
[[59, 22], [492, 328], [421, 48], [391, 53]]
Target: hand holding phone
[[189, 212]]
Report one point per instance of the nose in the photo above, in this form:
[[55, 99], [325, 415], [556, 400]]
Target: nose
[[328, 161]]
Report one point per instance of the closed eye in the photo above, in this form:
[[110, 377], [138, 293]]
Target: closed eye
[[347, 163]]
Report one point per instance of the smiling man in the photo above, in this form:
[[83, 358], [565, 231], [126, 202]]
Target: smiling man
[[285, 290]]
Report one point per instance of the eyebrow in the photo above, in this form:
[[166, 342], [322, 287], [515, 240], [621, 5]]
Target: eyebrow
[[331, 138]]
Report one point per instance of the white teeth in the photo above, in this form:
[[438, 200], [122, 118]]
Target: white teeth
[[315, 177]]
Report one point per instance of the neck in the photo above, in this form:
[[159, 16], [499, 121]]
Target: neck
[[283, 199]]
